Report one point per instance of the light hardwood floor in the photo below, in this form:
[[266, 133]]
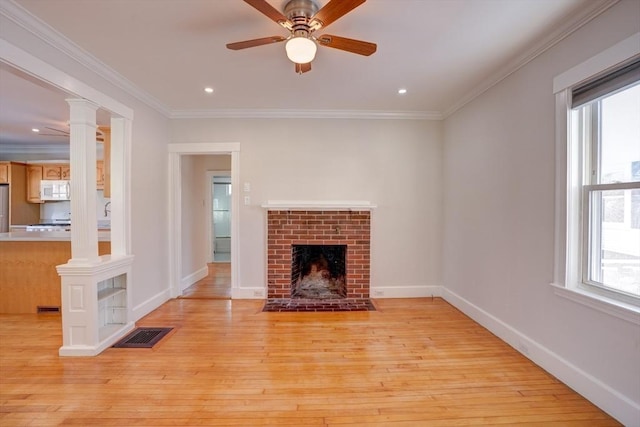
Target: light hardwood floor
[[217, 284], [414, 362]]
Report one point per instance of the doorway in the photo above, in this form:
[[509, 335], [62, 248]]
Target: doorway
[[176, 152], [221, 191]]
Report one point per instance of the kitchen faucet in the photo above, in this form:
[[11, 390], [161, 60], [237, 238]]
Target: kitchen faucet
[[106, 210]]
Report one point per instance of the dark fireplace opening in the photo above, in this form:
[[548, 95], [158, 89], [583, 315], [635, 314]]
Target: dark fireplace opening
[[318, 271]]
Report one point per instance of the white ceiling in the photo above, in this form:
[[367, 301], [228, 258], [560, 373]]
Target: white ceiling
[[443, 52]]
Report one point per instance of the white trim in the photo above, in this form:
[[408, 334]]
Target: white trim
[[41, 70], [175, 151], [577, 21], [381, 292], [601, 303], [58, 41], [192, 278], [253, 292], [89, 350], [611, 401], [43, 31], [33, 66], [599, 63], [361, 205], [567, 274], [146, 307], [306, 114], [204, 148]]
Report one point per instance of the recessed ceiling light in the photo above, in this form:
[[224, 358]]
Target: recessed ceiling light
[[208, 89], [402, 91], [36, 130]]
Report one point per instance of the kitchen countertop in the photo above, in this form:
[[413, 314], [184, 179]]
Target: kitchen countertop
[[47, 236]]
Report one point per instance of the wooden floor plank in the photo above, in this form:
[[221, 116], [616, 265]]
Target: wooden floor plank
[[413, 362]]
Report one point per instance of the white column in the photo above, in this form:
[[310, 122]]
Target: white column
[[84, 228], [119, 175]]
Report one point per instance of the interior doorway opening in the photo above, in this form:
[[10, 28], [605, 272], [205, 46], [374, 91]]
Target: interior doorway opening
[[221, 192]]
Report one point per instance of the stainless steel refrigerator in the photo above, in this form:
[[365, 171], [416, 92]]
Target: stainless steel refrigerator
[[4, 208]]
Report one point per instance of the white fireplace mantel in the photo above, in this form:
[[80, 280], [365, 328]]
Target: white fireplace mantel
[[320, 205]]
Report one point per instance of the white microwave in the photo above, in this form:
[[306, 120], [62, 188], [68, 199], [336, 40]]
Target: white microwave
[[55, 190]]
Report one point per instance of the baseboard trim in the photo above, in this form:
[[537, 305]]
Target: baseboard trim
[[256, 292], [381, 292], [90, 350], [600, 394], [149, 305], [192, 278]]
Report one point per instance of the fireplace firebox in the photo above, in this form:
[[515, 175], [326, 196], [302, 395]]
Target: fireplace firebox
[[318, 271], [292, 234]]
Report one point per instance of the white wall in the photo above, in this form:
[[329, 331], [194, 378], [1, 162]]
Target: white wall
[[148, 175], [499, 226], [395, 164]]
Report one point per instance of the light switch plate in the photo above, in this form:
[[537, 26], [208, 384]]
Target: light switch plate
[[247, 187]]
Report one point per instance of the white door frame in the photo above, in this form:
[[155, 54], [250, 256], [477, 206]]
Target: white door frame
[[176, 151], [209, 178]]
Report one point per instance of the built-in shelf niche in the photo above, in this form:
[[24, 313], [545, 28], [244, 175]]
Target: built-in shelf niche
[[112, 305]]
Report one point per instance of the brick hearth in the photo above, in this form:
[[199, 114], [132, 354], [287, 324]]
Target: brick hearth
[[318, 227]]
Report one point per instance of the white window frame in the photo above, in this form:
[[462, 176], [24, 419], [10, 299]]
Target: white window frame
[[570, 209]]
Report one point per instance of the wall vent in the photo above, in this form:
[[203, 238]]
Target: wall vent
[[47, 309]]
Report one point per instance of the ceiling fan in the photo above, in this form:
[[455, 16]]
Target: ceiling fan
[[302, 18], [66, 134]]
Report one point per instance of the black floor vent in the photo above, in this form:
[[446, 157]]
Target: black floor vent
[[142, 338], [47, 309]]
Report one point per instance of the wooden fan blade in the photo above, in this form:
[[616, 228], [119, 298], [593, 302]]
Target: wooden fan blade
[[61, 132], [303, 68], [332, 11], [350, 45], [255, 42], [270, 12]]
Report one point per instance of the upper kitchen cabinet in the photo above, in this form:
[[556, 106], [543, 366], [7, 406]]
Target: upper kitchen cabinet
[[106, 164], [34, 176], [4, 173], [21, 212], [100, 175], [56, 171]]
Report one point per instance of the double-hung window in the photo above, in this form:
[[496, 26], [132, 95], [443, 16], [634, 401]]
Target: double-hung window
[[599, 242]]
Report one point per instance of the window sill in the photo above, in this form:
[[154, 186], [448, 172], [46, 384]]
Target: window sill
[[615, 308]]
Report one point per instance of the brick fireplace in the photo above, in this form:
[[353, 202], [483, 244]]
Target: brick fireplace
[[290, 229]]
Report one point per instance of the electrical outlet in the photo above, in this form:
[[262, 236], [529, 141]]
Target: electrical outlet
[[258, 293], [378, 293]]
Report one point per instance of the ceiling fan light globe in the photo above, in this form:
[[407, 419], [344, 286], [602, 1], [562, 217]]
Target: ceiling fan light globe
[[301, 50]]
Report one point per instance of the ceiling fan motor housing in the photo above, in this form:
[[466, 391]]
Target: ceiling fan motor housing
[[299, 12]]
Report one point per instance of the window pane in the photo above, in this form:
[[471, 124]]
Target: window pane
[[614, 240], [620, 138]]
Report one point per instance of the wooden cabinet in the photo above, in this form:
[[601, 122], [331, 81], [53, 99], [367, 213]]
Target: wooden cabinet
[[100, 175], [4, 173], [65, 172], [56, 171], [106, 152], [21, 212], [51, 172], [38, 172], [34, 176]]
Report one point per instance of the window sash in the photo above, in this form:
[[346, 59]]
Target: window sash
[[591, 237]]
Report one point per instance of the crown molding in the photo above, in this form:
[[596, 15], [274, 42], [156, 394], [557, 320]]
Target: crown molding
[[58, 41], [43, 31], [590, 12], [306, 114]]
